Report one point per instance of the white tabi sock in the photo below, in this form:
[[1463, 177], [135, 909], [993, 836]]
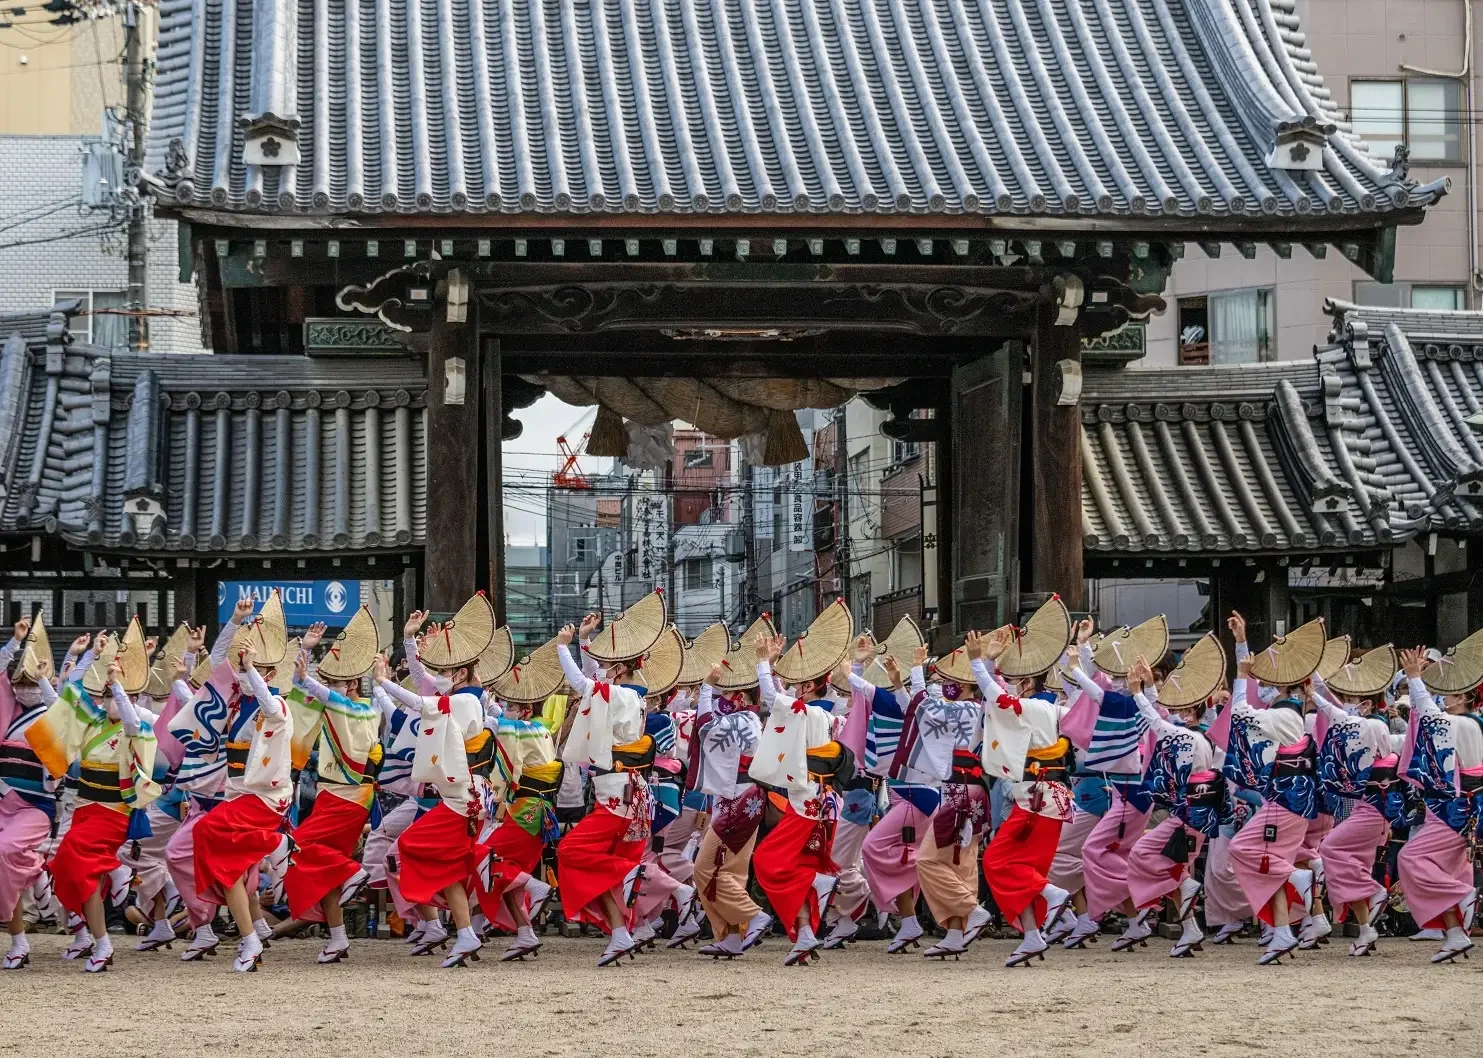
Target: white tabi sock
[[732, 942], [262, 929], [338, 939], [20, 944], [621, 939], [434, 926], [467, 937], [1282, 938], [1191, 932], [909, 927], [954, 939], [104, 947], [1456, 938], [526, 936], [1032, 941], [162, 930], [82, 938], [205, 936], [806, 938]]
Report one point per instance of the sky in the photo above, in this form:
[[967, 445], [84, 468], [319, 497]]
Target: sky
[[532, 457]]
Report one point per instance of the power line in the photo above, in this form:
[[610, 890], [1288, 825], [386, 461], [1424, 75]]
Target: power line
[[113, 226]]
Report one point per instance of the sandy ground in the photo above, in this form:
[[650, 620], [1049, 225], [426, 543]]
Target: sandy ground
[[860, 1002]]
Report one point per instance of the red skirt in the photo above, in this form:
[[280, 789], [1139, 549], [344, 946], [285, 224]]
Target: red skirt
[[325, 857], [594, 859], [510, 852], [87, 853], [787, 861], [232, 838], [433, 853], [1016, 861]]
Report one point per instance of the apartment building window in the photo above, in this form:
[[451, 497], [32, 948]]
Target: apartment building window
[[1410, 295], [1228, 327], [1422, 113], [698, 573], [581, 548], [901, 451], [106, 329]]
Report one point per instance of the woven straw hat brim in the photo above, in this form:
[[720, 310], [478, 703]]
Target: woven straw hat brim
[[1460, 669], [706, 651], [179, 639], [354, 651], [1367, 675], [739, 666], [1197, 675], [158, 686], [202, 672], [1336, 654], [662, 664], [1040, 644], [1292, 658], [38, 646], [95, 679], [282, 677], [819, 649], [903, 642], [463, 639], [532, 678], [268, 631], [1122, 647], [497, 657], [956, 667], [630, 634], [133, 659]]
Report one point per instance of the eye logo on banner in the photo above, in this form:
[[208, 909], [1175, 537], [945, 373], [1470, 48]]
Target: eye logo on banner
[[335, 597]]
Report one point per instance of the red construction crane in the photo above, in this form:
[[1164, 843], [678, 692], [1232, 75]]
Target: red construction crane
[[570, 475]]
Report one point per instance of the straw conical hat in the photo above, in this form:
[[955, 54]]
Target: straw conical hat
[[1197, 675], [1366, 675], [818, 650], [956, 667], [703, 652], [901, 644], [1292, 658], [630, 634], [497, 656], [739, 666], [268, 631], [158, 686], [283, 676], [1335, 654], [663, 662], [462, 639], [1459, 670], [202, 672], [1122, 647], [176, 645], [134, 659], [38, 646], [354, 651], [1040, 644], [1053, 680], [95, 679], [533, 677]]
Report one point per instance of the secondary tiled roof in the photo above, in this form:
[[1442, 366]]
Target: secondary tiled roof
[[1019, 107], [1404, 383], [207, 453]]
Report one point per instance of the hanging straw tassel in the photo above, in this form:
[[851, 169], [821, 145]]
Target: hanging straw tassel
[[785, 443], [609, 436]]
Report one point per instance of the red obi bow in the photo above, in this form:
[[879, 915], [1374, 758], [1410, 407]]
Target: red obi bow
[[1009, 701], [799, 706], [604, 690]]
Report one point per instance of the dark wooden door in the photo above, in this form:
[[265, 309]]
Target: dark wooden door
[[985, 489]]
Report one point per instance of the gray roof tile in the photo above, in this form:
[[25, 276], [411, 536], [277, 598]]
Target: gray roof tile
[[1019, 107]]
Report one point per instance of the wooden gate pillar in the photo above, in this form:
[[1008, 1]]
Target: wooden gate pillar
[[453, 407], [1055, 459]]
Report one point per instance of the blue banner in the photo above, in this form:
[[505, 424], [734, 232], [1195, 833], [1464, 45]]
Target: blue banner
[[304, 601]]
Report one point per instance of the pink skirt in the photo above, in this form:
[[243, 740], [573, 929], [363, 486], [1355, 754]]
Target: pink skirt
[[1319, 828], [853, 891], [1225, 903], [1436, 871], [890, 862], [145, 857], [656, 890], [1262, 867], [23, 830], [1348, 854], [676, 836], [180, 860], [1104, 855], [1066, 868], [1152, 875]]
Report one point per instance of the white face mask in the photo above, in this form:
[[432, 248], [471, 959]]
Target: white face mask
[[514, 712], [442, 683]]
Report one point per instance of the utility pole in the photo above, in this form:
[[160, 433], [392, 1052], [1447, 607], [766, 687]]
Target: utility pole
[[842, 491], [135, 77], [750, 605]]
